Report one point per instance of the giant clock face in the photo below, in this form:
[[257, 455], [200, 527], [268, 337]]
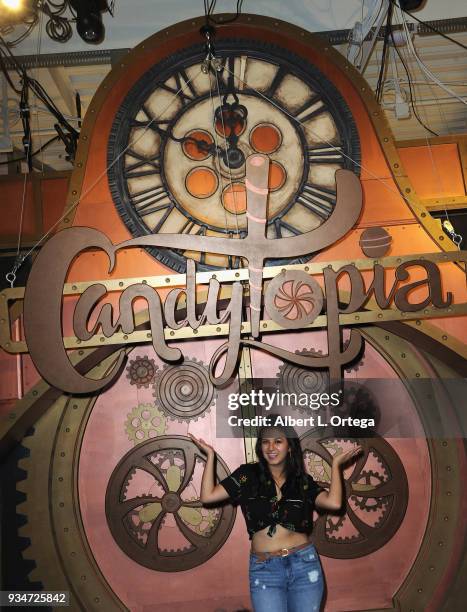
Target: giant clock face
[[179, 142]]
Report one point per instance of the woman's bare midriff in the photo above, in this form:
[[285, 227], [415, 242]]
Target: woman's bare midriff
[[283, 538]]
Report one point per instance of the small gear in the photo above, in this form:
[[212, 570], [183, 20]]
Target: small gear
[[145, 421], [369, 504], [141, 371], [184, 392]]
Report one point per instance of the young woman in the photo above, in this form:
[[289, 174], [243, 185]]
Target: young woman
[[277, 498]]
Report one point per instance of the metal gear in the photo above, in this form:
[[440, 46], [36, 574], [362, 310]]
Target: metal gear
[[184, 392], [141, 371], [293, 379], [377, 503], [145, 421], [129, 518]]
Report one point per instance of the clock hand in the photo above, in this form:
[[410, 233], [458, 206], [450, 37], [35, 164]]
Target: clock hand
[[202, 145]]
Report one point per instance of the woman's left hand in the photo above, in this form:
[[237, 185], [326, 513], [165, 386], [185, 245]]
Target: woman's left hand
[[342, 458]]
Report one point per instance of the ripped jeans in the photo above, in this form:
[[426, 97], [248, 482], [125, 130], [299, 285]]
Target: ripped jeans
[[287, 584]]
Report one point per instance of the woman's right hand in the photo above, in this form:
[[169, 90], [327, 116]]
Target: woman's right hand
[[202, 445]]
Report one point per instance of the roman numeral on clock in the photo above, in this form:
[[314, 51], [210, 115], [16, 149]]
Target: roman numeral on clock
[[151, 200], [148, 120], [313, 107], [318, 200], [325, 154], [279, 225], [183, 89], [226, 76], [134, 169]]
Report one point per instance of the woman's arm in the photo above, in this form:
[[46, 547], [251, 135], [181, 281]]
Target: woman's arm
[[332, 499], [210, 492]]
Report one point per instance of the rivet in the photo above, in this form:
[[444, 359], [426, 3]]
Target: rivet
[[83, 577], [195, 331], [65, 529], [446, 518], [396, 165], [172, 333], [386, 337], [144, 281], [432, 567], [167, 280], [380, 316], [96, 599], [265, 325], [218, 329], [67, 429], [445, 443], [418, 322], [62, 454], [120, 284], [403, 355], [386, 139], [84, 137], [75, 406], [445, 337], [125, 337], [102, 339], [66, 220], [419, 590], [448, 468], [408, 190], [80, 164], [74, 192], [61, 504], [357, 317], [375, 113], [60, 478], [440, 543], [307, 268], [448, 493], [237, 274], [34, 393], [441, 237], [73, 554], [214, 276], [417, 374], [74, 287]]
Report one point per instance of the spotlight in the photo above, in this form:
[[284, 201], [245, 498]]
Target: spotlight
[[12, 5], [410, 5], [89, 19]]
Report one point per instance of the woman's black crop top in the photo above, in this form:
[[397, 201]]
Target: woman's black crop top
[[256, 493]]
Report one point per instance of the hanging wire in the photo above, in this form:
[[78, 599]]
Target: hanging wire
[[109, 166]]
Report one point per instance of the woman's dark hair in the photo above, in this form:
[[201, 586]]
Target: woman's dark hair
[[294, 467]]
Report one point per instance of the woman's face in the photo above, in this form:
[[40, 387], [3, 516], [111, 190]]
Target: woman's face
[[275, 447]]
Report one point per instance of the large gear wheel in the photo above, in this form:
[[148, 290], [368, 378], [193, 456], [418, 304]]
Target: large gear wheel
[[293, 379], [145, 421], [164, 467], [378, 478], [184, 392]]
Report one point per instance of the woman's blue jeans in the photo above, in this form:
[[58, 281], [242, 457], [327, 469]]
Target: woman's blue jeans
[[287, 584]]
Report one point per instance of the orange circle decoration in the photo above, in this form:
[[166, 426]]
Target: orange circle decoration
[[201, 182], [265, 138], [277, 176], [234, 198], [191, 149]]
